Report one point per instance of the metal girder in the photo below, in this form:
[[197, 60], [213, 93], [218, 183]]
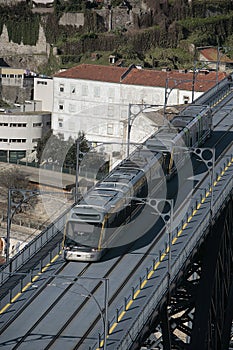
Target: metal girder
[[200, 310]]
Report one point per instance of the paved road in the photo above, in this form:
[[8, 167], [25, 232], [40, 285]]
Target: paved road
[[42, 176]]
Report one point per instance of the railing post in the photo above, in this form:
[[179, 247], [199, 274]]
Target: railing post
[[132, 293]]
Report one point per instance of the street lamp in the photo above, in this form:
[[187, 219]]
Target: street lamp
[[210, 164], [165, 209], [133, 111], [167, 217], [166, 214], [169, 89], [12, 207], [77, 169]]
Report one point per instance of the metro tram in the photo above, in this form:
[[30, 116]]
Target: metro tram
[[95, 221]]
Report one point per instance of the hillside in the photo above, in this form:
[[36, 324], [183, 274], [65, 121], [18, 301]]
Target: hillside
[[153, 33]]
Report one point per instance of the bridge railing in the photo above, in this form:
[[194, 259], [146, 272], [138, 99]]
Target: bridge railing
[[214, 94], [33, 247], [177, 264], [209, 97]]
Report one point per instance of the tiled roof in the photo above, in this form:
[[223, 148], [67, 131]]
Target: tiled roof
[[182, 80], [94, 72], [144, 77], [212, 54]]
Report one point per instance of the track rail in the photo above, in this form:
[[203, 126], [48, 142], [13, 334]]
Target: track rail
[[84, 271]]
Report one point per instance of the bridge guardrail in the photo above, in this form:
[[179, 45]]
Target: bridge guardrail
[[214, 94], [32, 248], [161, 291], [35, 245], [46, 235]]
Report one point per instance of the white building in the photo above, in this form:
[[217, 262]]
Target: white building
[[213, 58], [95, 99], [43, 91], [20, 132]]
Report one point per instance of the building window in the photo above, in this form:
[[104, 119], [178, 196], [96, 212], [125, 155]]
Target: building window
[[186, 99], [12, 76], [110, 110], [36, 125], [17, 140], [71, 108], [72, 89], [41, 82], [3, 124], [60, 124], [61, 88], [110, 129], [3, 140], [48, 123], [18, 125], [61, 106], [97, 91], [84, 90], [111, 92]]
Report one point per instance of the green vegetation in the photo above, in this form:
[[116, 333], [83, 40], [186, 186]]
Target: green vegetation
[[53, 65], [22, 25], [55, 149], [62, 6], [4, 104], [164, 37]]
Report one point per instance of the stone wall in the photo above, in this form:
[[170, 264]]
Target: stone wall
[[31, 62], [118, 17], [11, 48], [75, 19], [16, 94], [10, 2]]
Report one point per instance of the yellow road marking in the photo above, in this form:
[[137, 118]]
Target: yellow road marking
[[164, 254], [29, 284], [5, 308]]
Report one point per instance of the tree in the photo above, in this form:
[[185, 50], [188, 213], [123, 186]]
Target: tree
[[41, 145], [71, 157], [14, 178], [54, 149]]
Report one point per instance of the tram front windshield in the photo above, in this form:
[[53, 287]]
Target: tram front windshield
[[82, 234]]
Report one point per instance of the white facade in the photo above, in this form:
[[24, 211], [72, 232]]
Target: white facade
[[43, 91], [12, 76], [20, 132], [101, 109]]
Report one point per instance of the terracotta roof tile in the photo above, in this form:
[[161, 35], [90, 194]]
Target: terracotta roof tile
[[212, 54], [94, 72], [144, 77], [182, 80]]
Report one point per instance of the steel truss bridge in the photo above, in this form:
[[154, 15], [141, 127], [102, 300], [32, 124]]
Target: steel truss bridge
[[170, 289]]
